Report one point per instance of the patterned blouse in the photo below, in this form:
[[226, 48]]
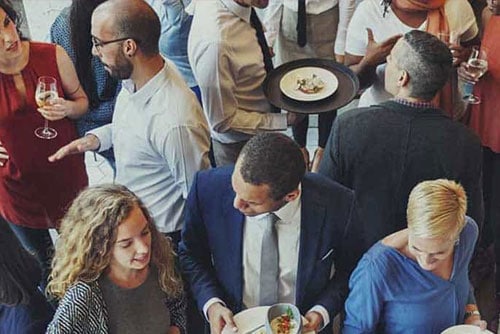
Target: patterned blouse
[[83, 310]]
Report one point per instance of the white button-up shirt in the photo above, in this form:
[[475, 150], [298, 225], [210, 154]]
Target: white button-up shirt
[[160, 139], [228, 65]]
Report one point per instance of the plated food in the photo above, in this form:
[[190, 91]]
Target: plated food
[[284, 324], [284, 319], [310, 85]]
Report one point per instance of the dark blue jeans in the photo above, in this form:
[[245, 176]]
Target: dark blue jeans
[[39, 244]]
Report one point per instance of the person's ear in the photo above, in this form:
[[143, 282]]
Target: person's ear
[[129, 47], [403, 78], [292, 195]]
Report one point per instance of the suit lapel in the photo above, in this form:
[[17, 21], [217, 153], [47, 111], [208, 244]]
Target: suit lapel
[[311, 224], [234, 220]]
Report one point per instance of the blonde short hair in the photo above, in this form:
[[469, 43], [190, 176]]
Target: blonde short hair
[[436, 209], [88, 232]]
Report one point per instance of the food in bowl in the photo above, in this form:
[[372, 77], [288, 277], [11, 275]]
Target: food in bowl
[[284, 324], [310, 85]]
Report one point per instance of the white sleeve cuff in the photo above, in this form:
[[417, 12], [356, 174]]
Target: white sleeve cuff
[[209, 303], [104, 134], [324, 314]]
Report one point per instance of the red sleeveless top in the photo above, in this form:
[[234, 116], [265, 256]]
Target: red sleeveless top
[[485, 117], [33, 191]]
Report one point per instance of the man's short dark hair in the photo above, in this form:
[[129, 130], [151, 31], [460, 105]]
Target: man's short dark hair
[[19, 271], [273, 159], [138, 21], [428, 62]]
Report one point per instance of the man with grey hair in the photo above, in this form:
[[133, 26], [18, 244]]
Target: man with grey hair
[[383, 151], [159, 133]]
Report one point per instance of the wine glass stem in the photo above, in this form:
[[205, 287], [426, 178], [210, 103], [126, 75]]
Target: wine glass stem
[[46, 125]]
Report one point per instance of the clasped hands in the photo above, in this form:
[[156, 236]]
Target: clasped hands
[[220, 316]]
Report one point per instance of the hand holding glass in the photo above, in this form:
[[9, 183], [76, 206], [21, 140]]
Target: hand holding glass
[[46, 92], [476, 67]]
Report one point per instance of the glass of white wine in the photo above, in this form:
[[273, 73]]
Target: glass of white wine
[[476, 67], [46, 92]]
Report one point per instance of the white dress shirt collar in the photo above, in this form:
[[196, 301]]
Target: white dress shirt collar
[[149, 89], [241, 11], [288, 211]]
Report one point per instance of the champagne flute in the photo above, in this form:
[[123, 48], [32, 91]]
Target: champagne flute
[[476, 67], [46, 92]]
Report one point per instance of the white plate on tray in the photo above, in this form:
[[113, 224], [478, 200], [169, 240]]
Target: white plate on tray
[[288, 83], [465, 329], [251, 319]]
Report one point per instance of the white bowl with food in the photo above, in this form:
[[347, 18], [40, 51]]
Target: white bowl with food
[[283, 319]]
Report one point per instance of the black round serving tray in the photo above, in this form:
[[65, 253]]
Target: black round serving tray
[[345, 93]]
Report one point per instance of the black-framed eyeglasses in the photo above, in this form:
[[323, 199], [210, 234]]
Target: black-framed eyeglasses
[[98, 44]]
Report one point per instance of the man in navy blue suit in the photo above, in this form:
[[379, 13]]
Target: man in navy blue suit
[[266, 217]]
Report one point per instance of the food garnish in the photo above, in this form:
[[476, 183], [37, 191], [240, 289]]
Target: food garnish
[[284, 324], [310, 85]]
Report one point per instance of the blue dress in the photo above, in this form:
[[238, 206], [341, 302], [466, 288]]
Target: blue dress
[[390, 293], [60, 33]]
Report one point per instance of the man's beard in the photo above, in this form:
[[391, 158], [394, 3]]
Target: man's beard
[[122, 70]]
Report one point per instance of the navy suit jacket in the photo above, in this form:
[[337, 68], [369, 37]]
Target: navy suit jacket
[[211, 248]]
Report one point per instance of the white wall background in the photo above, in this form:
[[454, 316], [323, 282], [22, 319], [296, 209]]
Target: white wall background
[[40, 14]]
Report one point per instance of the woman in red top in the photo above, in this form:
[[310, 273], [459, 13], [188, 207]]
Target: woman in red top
[[34, 192]]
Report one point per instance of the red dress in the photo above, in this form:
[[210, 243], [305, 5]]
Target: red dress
[[33, 191], [485, 117]]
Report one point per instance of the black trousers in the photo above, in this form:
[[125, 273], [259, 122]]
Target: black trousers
[[325, 121]]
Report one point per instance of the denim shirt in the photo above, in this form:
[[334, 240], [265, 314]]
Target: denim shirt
[[175, 26]]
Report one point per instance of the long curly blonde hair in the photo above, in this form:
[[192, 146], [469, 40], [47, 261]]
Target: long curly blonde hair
[[88, 233]]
